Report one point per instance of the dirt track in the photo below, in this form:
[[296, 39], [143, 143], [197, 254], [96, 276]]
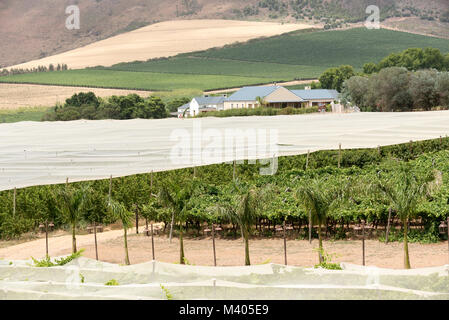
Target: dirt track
[[230, 252]]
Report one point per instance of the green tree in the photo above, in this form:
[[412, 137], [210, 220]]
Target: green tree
[[391, 87], [355, 91], [261, 102], [178, 196], [369, 68], [442, 88], [334, 78], [405, 188], [244, 207], [319, 197], [119, 211], [422, 89], [72, 204]]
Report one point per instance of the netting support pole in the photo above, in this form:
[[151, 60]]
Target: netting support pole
[[110, 188], [46, 238], [95, 237], [310, 227], [307, 159], [363, 242], [213, 244], [388, 226], [152, 242], [137, 220], [339, 155], [285, 244], [14, 202]]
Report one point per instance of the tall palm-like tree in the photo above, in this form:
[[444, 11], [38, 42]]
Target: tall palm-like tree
[[319, 197], [405, 188], [261, 102], [119, 211], [71, 204], [244, 208], [177, 196]]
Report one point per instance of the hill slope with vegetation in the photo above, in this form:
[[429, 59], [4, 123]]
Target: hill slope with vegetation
[[31, 30], [302, 54]]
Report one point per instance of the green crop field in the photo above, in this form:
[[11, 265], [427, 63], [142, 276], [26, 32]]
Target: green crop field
[[22, 114], [327, 48], [133, 80], [296, 55], [207, 66]]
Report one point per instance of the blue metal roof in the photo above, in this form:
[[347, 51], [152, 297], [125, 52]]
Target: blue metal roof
[[186, 106], [316, 94], [251, 93], [210, 100]]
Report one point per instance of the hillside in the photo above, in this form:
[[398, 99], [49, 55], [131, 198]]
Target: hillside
[[297, 55], [35, 29], [164, 39]]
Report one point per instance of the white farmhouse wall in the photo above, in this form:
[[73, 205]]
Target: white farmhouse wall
[[194, 108]]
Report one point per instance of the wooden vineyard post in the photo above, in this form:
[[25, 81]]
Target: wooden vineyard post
[[285, 244], [213, 244], [378, 150], [194, 172], [14, 202], [171, 226], [339, 155], [388, 226], [66, 182], [46, 238], [110, 188], [310, 227], [95, 237], [363, 242], [233, 173], [152, 241], [411, 147], [307, 159], [151, 181], [137, 220]]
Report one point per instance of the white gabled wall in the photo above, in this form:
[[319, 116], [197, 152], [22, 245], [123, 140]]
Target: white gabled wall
[[194, 108]]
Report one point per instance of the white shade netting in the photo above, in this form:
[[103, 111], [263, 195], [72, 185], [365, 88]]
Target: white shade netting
[[85, 279], [39, 153]]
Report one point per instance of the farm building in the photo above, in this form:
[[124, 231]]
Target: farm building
[[317, 97], [279, 97], [201, 104], [251, 97]]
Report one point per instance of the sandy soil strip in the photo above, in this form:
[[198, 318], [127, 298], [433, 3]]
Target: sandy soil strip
[[165, 39], [14, 96], [230, 252]]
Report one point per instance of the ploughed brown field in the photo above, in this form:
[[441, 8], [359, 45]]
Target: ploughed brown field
[[15, 96]]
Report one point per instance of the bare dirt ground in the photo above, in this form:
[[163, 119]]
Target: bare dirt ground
[[165, 39], [14, 96], [230, 252], [418, 26]]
